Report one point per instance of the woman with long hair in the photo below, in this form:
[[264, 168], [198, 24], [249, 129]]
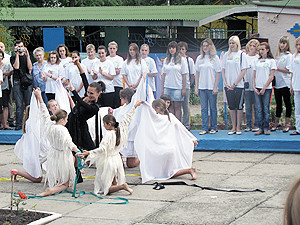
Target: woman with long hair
[[52, 71], [134, 67], [263, 74], [173, 78], [208, 72], [283, 59], [234, 65]]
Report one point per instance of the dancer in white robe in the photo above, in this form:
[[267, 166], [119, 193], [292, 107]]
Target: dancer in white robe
[[164, 146], [32, 148], [60, 161], [110, 176]]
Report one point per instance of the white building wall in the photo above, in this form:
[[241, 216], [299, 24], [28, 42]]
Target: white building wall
[[273, 29]]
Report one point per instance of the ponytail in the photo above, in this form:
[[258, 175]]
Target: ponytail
[[112, 120], [59, 114]]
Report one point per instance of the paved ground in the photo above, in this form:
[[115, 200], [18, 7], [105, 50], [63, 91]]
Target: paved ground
[[273, 173]]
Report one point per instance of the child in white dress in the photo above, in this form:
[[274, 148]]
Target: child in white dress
[[60, 161], [110, 175]]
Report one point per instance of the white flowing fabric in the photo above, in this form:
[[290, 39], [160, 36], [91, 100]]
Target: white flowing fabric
[[129, 149], [163, 147], [60, 165], [31, 148], [61, 96], [108, 160]]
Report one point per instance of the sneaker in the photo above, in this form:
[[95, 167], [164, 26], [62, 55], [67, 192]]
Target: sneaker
[[286, 129], [231, 132], [255, 129], [18, 128], [203, 132], [212, 131], [247, 129]]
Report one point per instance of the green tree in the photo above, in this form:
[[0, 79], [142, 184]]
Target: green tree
[[5, 35]]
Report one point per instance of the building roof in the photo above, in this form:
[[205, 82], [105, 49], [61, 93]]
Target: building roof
[[286, 3], [188, 15]]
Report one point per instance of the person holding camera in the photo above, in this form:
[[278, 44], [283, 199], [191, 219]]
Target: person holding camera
[[22, 84]]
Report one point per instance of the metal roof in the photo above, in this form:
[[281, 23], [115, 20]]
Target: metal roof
[[188, 15]]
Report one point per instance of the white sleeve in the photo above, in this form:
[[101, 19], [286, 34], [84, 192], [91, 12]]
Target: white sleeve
[[224, 60], [124, 70], [244, 61], [152, 66], [192, 66], [273, 65], [289, 61], [197, 63], [217, 64], [184, 66]]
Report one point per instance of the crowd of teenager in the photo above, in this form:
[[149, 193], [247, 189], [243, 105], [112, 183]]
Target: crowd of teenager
[[250, 76]]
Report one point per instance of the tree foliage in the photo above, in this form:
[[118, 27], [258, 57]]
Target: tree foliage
[[5, 35]]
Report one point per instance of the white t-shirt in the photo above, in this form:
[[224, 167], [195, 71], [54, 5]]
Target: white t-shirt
[[295, 69], [134, 71], [192, 71], [1, 80], [72, 73], [232, 65], [118, 62], [152, 69], [65, 62], [174, 72], [56, 70], [89, 64], [283, 79], [6, 67], [249, 72], [107, 67], [208, 69], [263, 69]]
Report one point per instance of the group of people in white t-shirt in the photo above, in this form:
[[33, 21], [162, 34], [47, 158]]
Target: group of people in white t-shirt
[[249, 76]]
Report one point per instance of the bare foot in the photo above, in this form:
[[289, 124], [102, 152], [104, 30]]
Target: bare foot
[[127, 188], [193, 174], [45, 193]]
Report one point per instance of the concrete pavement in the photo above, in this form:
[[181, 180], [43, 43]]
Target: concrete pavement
[[273, 173]]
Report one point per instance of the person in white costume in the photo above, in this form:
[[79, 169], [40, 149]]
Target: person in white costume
[[133, 67], [166, 149], [282, 79], [295, 85], [32, 148], [110, 175], [60, 161]]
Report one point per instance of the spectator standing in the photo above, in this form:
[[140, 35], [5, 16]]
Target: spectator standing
[[118, 79], [22, 65]]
